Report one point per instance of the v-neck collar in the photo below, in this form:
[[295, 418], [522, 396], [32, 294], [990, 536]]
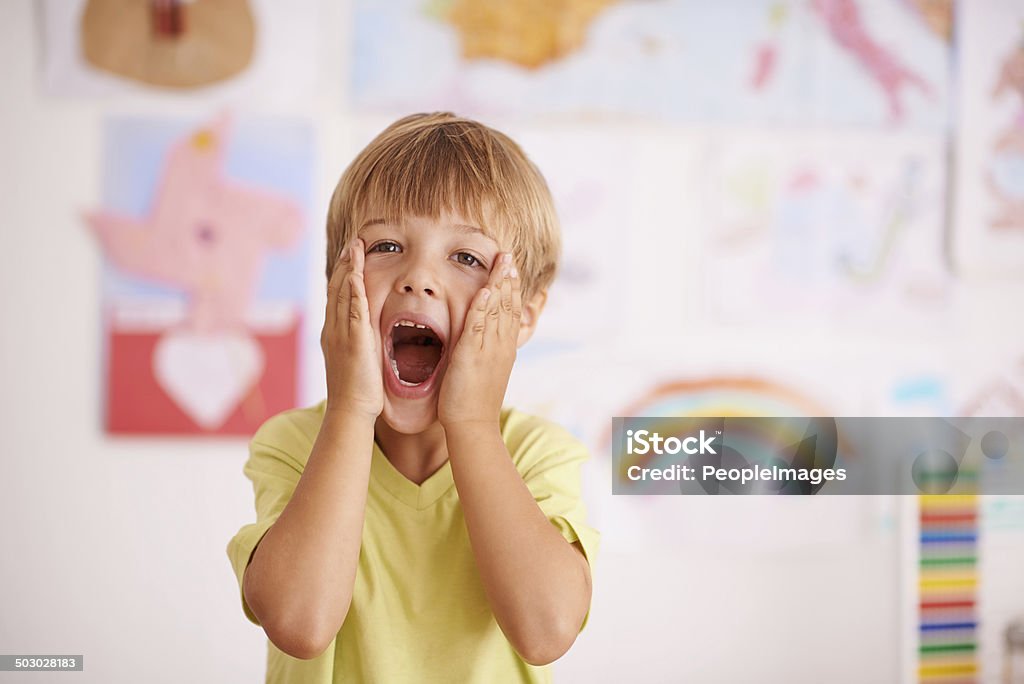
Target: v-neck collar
[[418, 496]]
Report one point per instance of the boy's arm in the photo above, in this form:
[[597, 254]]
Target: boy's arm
[[538, 584], [300, 579]]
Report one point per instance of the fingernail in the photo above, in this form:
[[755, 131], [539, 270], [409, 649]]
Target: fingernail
[[487, 295], [504, 272], [506, 258], [515, 273]]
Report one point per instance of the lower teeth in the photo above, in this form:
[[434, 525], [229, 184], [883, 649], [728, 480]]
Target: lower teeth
[[394, 367]]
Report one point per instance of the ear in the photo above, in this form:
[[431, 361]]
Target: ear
[[531, 312]]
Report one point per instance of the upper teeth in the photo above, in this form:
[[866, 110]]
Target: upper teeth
[[410, 324]]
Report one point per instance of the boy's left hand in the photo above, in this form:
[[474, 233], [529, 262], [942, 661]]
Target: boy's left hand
[[474, 384]]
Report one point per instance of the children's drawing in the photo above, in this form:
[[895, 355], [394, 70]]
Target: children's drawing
[[825, 226], [528, 33], [846, 26], [169, 43], [936, 14], [1006, 168], [1002, 395], [196, 345], [766, 52], [646, 523], [226, 51], [785, 61], [722, 396], [988, 233]]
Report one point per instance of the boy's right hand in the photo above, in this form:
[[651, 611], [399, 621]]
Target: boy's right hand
[[351, 353]]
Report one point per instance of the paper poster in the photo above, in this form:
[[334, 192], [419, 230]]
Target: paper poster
[[582, 392], [962, 587], [841, 230], [226, 49], [973, 373], [786, 61], [589, 175], [203, 231], [989, 228]]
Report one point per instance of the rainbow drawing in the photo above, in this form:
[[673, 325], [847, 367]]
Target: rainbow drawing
[[718, 397], [722, 397]]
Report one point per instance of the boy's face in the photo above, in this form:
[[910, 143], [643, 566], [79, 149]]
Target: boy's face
[[421, 276]]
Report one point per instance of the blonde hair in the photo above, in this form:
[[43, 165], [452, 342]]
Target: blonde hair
[[424, 164]]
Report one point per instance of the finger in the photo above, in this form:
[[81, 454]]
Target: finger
[[486, 303], [517, 301], [505, 319], [498, 274], [344, 293], [333, 286], [359, 257], [476, 320], [503, 297], [495, 276], [358, 307], [492, 315]]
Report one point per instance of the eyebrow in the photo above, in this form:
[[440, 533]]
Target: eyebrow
[[465, 228], [367, 224]]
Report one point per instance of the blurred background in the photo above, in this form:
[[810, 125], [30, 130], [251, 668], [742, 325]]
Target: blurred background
[[791, 207]]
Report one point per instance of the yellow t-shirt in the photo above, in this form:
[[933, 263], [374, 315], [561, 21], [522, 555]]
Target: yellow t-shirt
[[418, 612]]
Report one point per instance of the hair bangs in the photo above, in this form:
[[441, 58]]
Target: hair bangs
[[438, 171]]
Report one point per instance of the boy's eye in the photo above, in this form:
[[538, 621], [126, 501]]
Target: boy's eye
[[467, 259], [384, 246]]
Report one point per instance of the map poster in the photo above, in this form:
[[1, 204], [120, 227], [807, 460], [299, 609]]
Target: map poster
[[794, 62]]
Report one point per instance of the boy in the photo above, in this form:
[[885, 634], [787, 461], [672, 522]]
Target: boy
[[409, 528]]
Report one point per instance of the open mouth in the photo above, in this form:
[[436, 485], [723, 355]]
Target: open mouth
[[414, 352]]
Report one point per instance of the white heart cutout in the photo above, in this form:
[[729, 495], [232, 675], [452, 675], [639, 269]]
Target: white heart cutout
[[207, 375]]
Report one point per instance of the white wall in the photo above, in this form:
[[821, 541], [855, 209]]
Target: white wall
[[112, 548], [115, 548]]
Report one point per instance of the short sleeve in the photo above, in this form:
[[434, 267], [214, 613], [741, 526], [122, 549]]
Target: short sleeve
[[274, 477], [554, 479]]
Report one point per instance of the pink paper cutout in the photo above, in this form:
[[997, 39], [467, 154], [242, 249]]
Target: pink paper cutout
[[846, 27], [204, 233]]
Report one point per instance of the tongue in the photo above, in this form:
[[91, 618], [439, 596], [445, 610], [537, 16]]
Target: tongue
[[416, 361]]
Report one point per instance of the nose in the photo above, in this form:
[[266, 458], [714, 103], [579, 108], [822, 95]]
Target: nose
[[418, 278], [411, 288]]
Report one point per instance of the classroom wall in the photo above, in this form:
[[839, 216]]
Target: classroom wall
[[114, 547]]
